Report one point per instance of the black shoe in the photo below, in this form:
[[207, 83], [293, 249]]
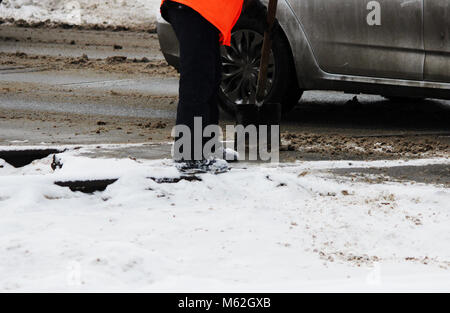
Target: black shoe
[[213, 166]]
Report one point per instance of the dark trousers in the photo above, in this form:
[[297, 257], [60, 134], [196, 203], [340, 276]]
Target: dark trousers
[[200, 65]]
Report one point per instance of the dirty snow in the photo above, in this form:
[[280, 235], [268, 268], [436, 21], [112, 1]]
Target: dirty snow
[[265, 228], [79, 12]]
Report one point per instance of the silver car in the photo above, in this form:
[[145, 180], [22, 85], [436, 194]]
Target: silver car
[[394, 48]]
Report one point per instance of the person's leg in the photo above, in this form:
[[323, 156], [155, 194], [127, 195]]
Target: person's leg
[[213, 102], [199, 42], [213, 108]]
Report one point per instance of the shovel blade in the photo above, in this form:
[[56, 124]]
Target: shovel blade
[[252, 114], [268, 114]]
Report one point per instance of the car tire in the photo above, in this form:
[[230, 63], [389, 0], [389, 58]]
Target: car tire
[[244, 55]]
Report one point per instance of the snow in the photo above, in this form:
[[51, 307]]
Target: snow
[[264, 228], [79, 12]]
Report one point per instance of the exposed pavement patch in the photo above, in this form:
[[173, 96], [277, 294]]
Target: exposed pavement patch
[[21, 158], [438, 174], [87, 186], [370, 146]]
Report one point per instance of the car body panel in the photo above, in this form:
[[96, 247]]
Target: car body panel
[[345, 43], [168, 42], [437, 40]]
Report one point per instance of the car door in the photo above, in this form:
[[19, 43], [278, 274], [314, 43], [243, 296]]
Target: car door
[[366, 38], [437, 40]]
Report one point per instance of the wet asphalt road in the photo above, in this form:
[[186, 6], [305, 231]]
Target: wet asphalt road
[[88, 83], [58, 103], [372, 114]]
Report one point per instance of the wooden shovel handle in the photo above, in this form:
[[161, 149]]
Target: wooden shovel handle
[[265, 53]]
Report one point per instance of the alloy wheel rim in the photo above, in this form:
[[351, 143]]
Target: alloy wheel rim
[[240, 64]]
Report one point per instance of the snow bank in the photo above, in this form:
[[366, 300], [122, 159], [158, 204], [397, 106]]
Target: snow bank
[[263, 228], [128, 13]]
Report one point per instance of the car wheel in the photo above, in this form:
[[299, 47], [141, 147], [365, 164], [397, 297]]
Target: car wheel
[[241, 67]]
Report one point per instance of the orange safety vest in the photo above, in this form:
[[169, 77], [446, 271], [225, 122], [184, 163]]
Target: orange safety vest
[[223, 14]]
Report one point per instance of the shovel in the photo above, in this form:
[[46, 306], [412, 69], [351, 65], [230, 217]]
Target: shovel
[[262, 113]]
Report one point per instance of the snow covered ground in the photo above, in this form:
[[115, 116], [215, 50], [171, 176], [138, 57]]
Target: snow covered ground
[[78, 12], [293, 227]]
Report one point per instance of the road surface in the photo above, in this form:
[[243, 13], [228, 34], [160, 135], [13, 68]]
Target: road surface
[[68, 86]]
